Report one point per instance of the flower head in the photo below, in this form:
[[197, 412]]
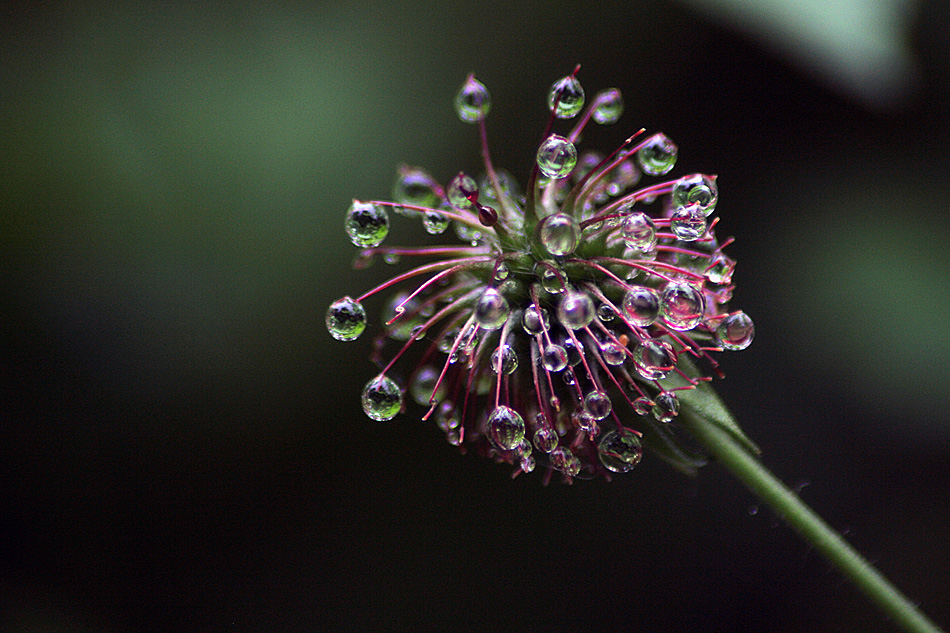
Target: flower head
[[560, 330]]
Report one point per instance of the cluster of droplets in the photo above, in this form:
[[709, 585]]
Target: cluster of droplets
[[561, 329]]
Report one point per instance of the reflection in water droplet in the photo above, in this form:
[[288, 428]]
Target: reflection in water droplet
[[682, 306], [657, 156], [566, 97], [643, 405], [556, 157], [666, 406], [382, 399], [505, 428], [613, 353], [736, 331], [472, 102], [576, 310], [366, 224], [639, 231], [346, 319], [565, 461], [609, 106], [461, 190], [559, 234], [641, 304], [654, 359], [554, 358], [416, 186], [597, 404], [434, 222], [620, 451], [688, 223], [545, 439], [491, 309], [697, 189], [535, 321], [506, 358]]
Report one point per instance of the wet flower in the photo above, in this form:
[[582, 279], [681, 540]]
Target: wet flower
[[557, 333]]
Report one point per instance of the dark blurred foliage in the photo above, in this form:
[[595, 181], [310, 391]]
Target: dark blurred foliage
[[182, 443]]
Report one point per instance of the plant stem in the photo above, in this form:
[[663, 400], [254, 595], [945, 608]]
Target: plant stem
[[786, 504]]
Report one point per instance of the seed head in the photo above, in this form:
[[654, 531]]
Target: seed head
[[556, 334]]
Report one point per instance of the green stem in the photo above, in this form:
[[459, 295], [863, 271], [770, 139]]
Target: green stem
[[731, 454]]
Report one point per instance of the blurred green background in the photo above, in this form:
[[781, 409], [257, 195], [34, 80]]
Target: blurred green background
[[181, 442]]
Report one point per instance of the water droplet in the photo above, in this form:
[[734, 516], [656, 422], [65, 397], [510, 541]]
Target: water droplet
[[657, 156], [505, 428], [559, 234], [422, 385], [527, 463], [366, 224], [597, 404], [434, 222], [605, 313], [391, 258], [622, 177], [682, 306], [753, 510], [448, 340], [346, 319], [454, 437], [550, 278], [721, 269], [642, 405], [462, 190], [554, 357], [609, 106], [583, 420], [506, 358], [565, 461], [735, 332], [416, 186], [639, 231], [566, 97], [641, 304], [613, 353], [666, 407], [468, 233], [491, 309], [697, 189], [575, 351], [401, 329], [654, 359], [556, 157], [620, 451], [545, 439], [507, 182], [445, 416], [382, 398], [688, 223], [472, 102], [576, 310], [535, 321], [501, 272]]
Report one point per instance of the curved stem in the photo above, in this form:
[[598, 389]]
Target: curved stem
[[731, 454]]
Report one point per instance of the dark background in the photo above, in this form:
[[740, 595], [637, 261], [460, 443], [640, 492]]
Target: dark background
[[181, 442]]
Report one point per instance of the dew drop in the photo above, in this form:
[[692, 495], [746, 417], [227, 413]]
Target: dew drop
[[688, 223], [575, 351], [654, 359], [461, 191], [391, 258], [346, 319], [609, 106], [506, 358], [556, 157], [472, 102], [559, 234], [545, 439], [735, 332], [382, 398], [448, 340], [422, 385], [505, 428], [366, 224], [613, 353], [554, 357], [682, 306], [445, 416], [535, 320], [501, 272], [576, 310], [597, 404], [666, 407], [605, 313], [551, 277], [639, 231], [584, 420], [620, 451], [697, 189], [641, 304], [721, 269], [527, 463], [434, 222], [565, 461], [642, 405], [416, 186], [491, 309], [566, 97], [622, 177], [657, 156]]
